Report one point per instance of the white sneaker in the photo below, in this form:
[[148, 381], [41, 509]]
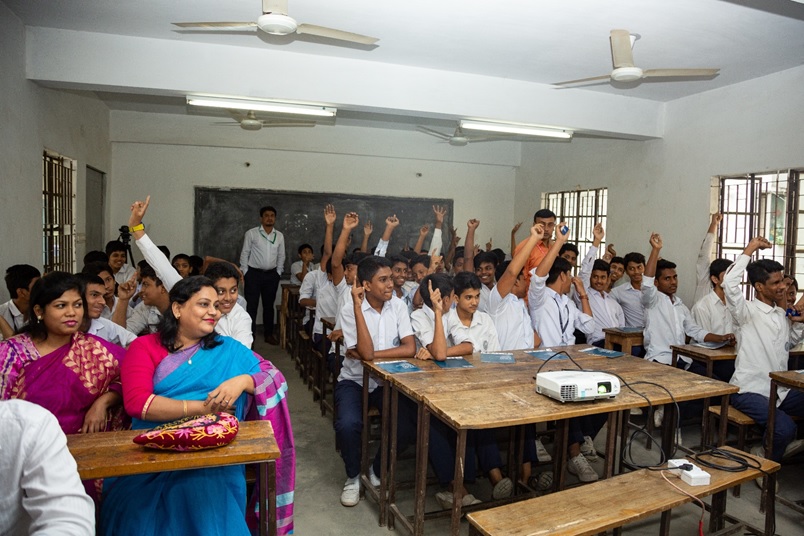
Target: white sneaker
[[374, 479], [658, 416], [445, 499], [541, 453], [350, 495], [758, 451], [502, 489], [793, 448], [636, 411], [588, 448], [579, 467]]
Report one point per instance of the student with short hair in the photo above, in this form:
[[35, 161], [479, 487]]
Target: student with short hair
[[94, 324], [155, 301], [181, 263], [399, 272], [376, 325], [301, 267], [547, 218], [112, 303], [569, 252], [596, 277], [766, 333], [711, 313], [118, 257], [702, 264], [485, 264], [95, 256], [616, 271], [391, 223], [629, 294], [20, 279]]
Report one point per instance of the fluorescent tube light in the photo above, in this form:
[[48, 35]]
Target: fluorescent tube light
[[262, 106], [522, 130]]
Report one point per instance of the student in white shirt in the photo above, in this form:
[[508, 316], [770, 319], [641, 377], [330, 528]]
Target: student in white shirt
[[376, 325], [711, 313], [20, 279], [155, 300], [94, 324], [399, 272], [301, 267], [569, 252], [485, 264], [234, 320], [555, 318], [332, 284], [766, 335], [629, 294], [115, 308], [118, 255], [42, 493], [703, 284]]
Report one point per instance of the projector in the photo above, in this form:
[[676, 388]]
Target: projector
[[577, 385]]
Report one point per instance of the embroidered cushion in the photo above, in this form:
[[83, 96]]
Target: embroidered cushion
[[191, 433]]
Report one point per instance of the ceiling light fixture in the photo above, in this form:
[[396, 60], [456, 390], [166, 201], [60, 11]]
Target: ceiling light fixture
[[262, 106], [521, 130]]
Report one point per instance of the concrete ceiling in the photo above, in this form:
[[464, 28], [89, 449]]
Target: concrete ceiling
[[435, 61]]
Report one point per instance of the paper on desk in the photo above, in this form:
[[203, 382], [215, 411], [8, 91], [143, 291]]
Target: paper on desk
[[395, 367], [454, 362], [497, 357], [602, 352], [710, 345], [546, 354]]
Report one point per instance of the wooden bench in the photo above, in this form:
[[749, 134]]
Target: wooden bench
[[595, 508]]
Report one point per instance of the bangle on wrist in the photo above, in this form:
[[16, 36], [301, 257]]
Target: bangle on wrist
[[138, 227], [584, 297], [184, 407]]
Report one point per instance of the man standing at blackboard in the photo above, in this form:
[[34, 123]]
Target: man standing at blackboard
[[262, 261]]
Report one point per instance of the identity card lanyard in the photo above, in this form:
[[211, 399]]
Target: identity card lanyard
[[562, 323], [271, 240]]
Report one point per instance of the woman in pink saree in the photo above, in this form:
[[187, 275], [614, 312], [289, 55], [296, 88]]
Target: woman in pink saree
[[51, 363]]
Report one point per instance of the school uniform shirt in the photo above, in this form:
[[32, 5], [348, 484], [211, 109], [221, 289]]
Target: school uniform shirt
[[265, 251], [703, 284], [511, 320], [326, 304], [766, 336], [423, 323], [108, 312], [713, 315], [554, 316], [12, 315], [309, 290], [344, 302], [296, 269], [483, 304], [237, 325], [606, 312], [109, 331], [666, 323], [144, 317], [125, 273], [630, 299], [387, 328], [481, 332], [165, 271]]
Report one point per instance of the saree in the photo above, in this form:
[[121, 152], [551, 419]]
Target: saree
[[210, 501], [67, 381]]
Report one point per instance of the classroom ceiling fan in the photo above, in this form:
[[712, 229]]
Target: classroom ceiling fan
[[624, 70], [275, 21], [250, 121], [459, 138]]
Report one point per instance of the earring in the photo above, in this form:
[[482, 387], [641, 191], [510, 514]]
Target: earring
[[38, 317]]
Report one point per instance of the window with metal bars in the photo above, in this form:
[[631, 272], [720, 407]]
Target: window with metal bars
[[581, 209], [761, 204], [58, 212]]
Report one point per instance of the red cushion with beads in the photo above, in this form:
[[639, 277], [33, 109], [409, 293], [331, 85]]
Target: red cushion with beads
[[191, 433]]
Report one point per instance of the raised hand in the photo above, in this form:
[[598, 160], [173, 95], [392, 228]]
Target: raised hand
[[368, 228], [358, 293], [329, 215], [489, 244], [392, 221], [537, 231], [598, 232], [473, 223], [656, 241], [440, 212], [611, 251], [435, 296], [717, 217], [455, 238], [562, 237], [516, 227], [350, 220], [126, 290], [424, 230], [138, 210]]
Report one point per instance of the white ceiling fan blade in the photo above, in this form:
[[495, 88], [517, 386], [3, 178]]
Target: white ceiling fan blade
[[226, 124], [477, 140], [581, 80], [268, 124], [621, 54], [331, 33], [214, 24], [435, 133], [275, 6], [670, 73]]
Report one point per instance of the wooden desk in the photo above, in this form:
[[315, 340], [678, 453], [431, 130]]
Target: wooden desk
[[590, 509], [792, 379], [113, 454], [501, 395], [708, 357], [627, 338]]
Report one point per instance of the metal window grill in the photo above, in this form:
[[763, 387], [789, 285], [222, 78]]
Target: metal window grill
[[58, 210], [581, 209]]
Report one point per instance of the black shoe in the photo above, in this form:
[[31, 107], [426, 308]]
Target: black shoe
[[271, 339]]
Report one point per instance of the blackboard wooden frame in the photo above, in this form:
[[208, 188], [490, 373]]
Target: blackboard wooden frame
[[223, 215]]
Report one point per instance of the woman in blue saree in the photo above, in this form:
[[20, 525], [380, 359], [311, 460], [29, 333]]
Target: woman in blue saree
[[187, 369]]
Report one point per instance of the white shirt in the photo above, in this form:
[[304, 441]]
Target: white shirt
[[12, 315], [296, 269], [481, 332], [666, 323], [237, 325], [703, 284], [109, 331], [554, 316], [511, 320], [41, 492], [423, 323], [157, 260], [108, 313], [143, 317], [766, 336], [387, 328], [125, 273], [483, 305], [713, 315], [326, 304], [606, 312], [262, 250], [630, 299], [313, 281]]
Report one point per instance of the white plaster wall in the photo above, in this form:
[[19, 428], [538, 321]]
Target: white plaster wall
[[33, 118], [664, 185]]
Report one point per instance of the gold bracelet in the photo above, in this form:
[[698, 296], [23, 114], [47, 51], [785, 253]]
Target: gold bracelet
[[184, 406]]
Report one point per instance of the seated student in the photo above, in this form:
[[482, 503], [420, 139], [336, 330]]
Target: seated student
[[20, 279], [316, 279], [42, 493], [181, 262], [458, 262], [196, 265], [616, 271], [234, 320], [702, 281], [712, 314], [595, 275], [95, 256], [485, 265], [155, 300], [376, 325], [548, 220], [569, 252], [391, 223], [350, 263], [301, 267], [629, 294], [399, 272], [437, 243], [765, 336], [555, 318], [115, 307], [93, 323], [667, 319], [117, 253]]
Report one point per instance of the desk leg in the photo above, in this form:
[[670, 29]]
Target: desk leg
[[608, 343], [457, 489], [764, 503], [626, 346], [770, 503], [705, 432], [420, 480], [365, 433], [267, 473], [611, 443], [723, 426], [387, 477], [669, 428], [384, 426], [560, 454], [717, 510]]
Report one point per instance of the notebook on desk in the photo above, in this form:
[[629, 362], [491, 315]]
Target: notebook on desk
[[454, 362]]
